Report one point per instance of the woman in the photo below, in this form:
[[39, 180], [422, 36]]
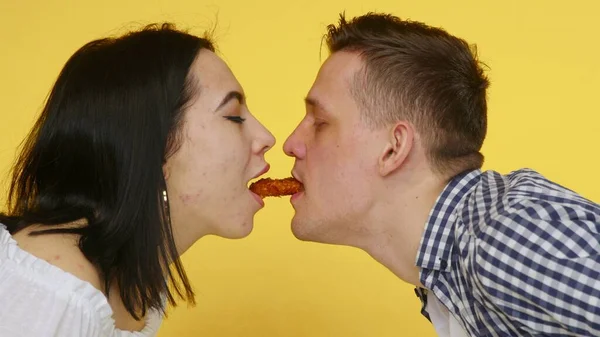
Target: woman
[[144, 146]]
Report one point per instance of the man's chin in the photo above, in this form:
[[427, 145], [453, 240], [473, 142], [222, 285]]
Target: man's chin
[[307, 231], [298, 232], [301, 230]]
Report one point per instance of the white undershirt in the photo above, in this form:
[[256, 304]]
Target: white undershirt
[[444, 323]]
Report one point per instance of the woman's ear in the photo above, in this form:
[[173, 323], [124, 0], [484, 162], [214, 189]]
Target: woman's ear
[[397, 148], [166, 171]]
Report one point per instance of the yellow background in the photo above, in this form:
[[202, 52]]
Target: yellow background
[[543, 113]]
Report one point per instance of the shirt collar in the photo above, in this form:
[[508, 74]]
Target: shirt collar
[[437, 240]]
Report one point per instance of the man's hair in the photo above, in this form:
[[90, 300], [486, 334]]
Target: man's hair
[[423, 75]]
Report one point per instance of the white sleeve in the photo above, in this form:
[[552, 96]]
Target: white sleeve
[[29, 309], [38, 299]]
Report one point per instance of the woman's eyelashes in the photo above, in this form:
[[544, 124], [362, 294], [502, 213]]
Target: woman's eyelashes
[[235, 119]]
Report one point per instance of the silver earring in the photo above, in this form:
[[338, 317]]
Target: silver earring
[[166, 209]]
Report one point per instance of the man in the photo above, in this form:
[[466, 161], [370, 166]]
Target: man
[[389, 155]]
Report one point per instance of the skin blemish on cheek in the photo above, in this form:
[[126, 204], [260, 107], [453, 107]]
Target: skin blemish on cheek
[[185, 198], [189, 198], [80, 266], [56, 257]]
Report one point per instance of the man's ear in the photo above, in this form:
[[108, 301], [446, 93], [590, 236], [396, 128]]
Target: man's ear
[[397, 148]]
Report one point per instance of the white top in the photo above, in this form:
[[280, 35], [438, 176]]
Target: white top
[[444, 323], [39, 299]]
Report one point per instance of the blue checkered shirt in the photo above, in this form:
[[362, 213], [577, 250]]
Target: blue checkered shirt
[[513, 255]]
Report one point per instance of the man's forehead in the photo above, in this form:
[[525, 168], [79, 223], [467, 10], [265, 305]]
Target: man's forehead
[[341, 64], [335, 76]]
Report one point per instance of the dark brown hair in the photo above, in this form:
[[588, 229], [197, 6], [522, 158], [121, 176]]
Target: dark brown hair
[[421, 74]]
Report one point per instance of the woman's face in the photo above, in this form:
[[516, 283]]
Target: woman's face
[[222, 148]]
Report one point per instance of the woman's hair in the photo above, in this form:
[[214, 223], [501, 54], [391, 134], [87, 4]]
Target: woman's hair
[[97, 151]]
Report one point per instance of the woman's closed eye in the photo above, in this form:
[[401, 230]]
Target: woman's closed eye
[[235, 119]]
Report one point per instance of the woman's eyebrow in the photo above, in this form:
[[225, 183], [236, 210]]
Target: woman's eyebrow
[[231, 95]]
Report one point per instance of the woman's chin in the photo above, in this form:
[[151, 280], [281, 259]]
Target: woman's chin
[[237, 230]]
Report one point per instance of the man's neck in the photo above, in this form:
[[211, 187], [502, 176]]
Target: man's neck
[[400, 220]]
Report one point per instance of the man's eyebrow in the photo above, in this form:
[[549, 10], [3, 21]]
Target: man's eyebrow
[[313, 102], [231, 95]]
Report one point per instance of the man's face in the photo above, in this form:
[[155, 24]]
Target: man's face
[[336, 157]]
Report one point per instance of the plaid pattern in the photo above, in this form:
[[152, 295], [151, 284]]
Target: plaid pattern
[[513, 255]]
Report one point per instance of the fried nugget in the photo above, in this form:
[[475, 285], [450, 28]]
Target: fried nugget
[[268, 187]]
